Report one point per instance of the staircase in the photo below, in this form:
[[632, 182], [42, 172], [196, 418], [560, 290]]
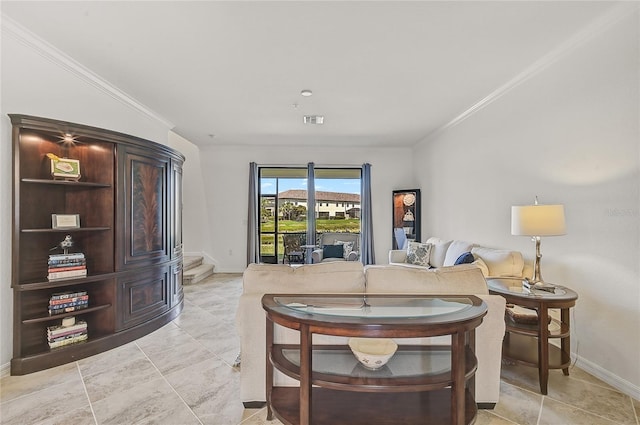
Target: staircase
[[194, 270]]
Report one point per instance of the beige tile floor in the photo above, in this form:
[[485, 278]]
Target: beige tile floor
[[184, 374]]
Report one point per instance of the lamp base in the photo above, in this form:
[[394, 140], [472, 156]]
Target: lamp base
[[539, 285]]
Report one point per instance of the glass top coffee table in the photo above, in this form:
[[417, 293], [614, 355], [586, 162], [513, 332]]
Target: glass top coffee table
[[419, 384]]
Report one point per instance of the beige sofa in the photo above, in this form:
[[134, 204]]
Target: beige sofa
[[352, 277], [491, 261]]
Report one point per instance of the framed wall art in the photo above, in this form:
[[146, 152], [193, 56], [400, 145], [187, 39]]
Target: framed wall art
[[406, 216]]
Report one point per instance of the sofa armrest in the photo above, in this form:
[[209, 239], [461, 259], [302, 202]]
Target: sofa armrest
[[316, 256], [397, 256]]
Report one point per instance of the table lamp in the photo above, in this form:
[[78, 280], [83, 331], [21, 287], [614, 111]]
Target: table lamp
[[536, 221]]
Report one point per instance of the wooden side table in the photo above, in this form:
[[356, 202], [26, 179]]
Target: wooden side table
[[528, 344]]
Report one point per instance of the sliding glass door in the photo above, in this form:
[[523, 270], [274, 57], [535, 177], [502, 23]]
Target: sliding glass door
[[283, 203]]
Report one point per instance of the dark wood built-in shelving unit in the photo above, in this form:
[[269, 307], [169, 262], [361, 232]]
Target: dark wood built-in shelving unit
[[129, 200]]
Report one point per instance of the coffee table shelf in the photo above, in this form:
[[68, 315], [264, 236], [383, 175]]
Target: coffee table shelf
[[419, 384], [524, 350], [335, 366], [331, 407]]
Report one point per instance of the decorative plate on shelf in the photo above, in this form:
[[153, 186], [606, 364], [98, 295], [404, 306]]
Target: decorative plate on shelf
[[409, 199]]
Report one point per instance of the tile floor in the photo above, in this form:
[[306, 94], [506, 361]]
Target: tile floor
[[184, 374]]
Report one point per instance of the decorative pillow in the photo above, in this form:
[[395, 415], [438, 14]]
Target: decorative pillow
[[333, 251], [501, 263], [419, 253], [466, 258], [455, 250], [438, 251], [347, 248]]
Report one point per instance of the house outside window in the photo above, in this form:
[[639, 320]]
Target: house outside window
[[284, 203]]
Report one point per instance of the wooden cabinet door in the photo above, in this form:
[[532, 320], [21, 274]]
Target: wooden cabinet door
[[177, 293], [144, 215], [143, 296], [176, 182]]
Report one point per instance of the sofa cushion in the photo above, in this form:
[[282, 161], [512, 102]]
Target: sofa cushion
[[438, 251], [501, 263], [455, 250], [347, 248], [463, 279], [418, 253], [333, 251], [334, 276], [482, 266]]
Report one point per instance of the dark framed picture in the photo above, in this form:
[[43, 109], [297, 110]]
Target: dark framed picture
[[406, 217]]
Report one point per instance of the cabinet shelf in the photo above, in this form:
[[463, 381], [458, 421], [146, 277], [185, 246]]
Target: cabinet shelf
[[60, 283], [79, 229], [60, 316], [65, 183], [43, 349]]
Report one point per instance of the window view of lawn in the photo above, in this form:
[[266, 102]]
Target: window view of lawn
[[350, 225], [284, 207]]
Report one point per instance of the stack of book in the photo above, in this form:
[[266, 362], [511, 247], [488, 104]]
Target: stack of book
[[67, 266], [59, 336], [68, 302]]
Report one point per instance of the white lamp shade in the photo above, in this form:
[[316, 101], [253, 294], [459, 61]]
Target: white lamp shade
[[538, 220]]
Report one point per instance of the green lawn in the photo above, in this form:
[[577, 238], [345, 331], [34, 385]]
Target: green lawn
[[350, 225]]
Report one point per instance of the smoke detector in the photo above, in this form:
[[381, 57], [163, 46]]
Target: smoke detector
[[313, 119]]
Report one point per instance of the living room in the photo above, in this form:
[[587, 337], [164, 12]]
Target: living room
[[562, 126]]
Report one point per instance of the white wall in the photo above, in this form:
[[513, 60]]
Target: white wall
[[35, 85], [570, 135], [195, 229], [226, 173]]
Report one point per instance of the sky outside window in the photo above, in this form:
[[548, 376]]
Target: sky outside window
[[326, 185]]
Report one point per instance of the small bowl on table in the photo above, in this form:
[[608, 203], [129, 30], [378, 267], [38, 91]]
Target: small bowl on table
[[373, 353]]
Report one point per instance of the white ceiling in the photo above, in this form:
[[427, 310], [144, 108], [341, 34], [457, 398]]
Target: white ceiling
[[383, 73]]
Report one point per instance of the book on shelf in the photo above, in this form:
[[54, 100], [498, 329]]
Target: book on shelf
[[67, 274], [66, 295], [59, 336], [66, 269], [68, 341], [53, 302], [66, 258], [70, 335], [59, 329], [67, 302], [66, 266], [70, 309]]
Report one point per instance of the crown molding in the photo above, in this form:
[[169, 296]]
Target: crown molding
[[16, 31], [598, 26]]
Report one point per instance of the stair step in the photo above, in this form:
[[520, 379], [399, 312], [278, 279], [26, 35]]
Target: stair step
[[191, 262], [196, 274]]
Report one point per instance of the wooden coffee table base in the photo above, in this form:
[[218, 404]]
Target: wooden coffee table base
[[333, 407]]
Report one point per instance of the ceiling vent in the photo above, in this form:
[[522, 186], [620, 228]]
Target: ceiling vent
[[314, 119]]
